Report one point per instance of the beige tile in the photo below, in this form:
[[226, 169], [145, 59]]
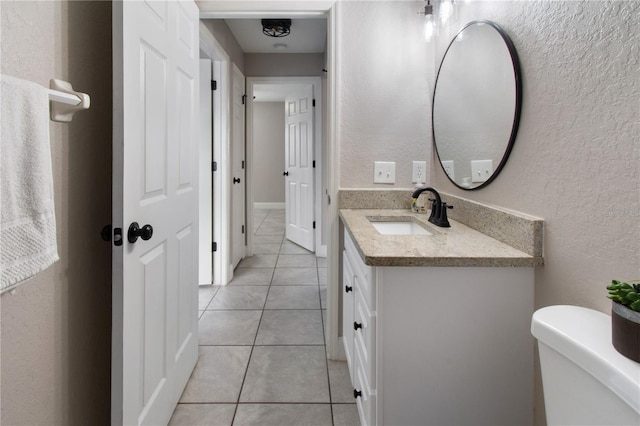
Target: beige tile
[[286, 374], [268, 239], [292, 248], [266, 248], [340, 382], [259, 261], [322, 276], [252, 276], [229, 327], [323, 296], [270, 229], [203, 414], [345, 415], [296, 261], [205, 294], [218, 374], [240, 297], [283, 415], [293, 297], [291, 327], [295, 276]]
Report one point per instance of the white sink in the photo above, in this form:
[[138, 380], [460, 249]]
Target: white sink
[[399, 228]]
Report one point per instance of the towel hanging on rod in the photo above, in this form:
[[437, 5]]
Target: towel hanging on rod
[[65, 101]]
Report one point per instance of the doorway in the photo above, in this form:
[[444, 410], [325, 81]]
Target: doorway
[[281, 89]]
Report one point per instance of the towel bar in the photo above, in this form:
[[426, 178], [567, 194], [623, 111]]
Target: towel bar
[[65, 101]]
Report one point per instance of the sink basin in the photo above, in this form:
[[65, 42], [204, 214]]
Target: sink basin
[[399, 228]]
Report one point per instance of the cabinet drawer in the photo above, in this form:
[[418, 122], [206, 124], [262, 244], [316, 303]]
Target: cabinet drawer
[[366, 401], [348, 288], [364, 339], [365, 276]]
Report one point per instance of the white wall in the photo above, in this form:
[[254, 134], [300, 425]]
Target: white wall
[[268, 152], [56, 329], [383, 90], [223, 35], [284, 64]]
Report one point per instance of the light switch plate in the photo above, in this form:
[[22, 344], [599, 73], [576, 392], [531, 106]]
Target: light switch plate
[[481, 170], [384, 172]]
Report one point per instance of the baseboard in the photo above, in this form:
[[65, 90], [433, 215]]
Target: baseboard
[[269, 205]]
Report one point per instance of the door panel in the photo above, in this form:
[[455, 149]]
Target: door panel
[[299, 196], [155, 343]]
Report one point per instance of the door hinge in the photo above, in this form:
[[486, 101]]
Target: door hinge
[[314, 224], [244, 99], [243, 229], [214, 246], [313, 164], [214, 166], [313, 103], [214, 85], [243, 164]]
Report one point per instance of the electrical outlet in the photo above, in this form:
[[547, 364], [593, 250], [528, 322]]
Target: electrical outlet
[[418, 174], [481, 170], [384, 172], [447, 165]]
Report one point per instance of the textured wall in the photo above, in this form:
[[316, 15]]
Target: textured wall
[[56, 337], [383, 92], [576, 160], [268, 151]]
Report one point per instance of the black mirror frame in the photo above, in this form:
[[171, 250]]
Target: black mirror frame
[[518, 102]]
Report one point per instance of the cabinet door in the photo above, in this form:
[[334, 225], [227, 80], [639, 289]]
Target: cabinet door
[[348, 287]]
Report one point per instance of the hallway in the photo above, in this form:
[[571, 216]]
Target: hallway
[[262, 343]]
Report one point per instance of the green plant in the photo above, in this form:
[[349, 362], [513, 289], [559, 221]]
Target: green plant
[[627, 294]]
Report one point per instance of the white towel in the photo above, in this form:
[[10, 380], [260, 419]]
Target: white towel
[[27, 217]]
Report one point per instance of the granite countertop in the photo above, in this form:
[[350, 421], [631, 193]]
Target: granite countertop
[[458, 245]]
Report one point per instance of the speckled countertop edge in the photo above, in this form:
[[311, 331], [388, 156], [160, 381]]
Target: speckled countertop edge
[[458, 246]]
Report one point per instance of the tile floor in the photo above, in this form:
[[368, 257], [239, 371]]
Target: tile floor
[[262, 343]]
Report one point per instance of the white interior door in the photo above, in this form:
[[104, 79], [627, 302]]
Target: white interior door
[[206, 174], [155, 178], [237, 169], [299, 173]]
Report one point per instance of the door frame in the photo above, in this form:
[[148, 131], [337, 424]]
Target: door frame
[[319, 125], [331, 9], [221, 154]]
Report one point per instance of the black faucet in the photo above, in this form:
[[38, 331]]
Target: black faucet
[[438, 209]]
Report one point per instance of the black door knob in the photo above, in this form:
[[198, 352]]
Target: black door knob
[[135, 231], [285, 174], [357, 325], [357, 393], [347, 289], [236, 180]]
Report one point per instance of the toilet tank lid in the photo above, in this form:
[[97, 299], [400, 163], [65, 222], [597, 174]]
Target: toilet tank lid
[[584, 337]]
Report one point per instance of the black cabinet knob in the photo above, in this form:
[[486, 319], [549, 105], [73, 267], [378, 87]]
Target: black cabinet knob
[[236, 180], [357, 325], [347, 289], [285, 174], [357, 393], [135, 232]]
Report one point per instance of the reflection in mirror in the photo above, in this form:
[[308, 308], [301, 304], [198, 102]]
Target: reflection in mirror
[[476, 104]]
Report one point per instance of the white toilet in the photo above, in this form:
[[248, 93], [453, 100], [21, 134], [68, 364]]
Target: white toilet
[[585, 380]]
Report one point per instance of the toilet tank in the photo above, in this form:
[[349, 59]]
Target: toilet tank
[[584, 379]]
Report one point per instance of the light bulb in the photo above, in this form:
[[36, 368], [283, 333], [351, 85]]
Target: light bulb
[[446, 9], [429, 27]]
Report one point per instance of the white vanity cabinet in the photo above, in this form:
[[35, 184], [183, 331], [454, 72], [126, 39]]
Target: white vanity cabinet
[[438, 345]]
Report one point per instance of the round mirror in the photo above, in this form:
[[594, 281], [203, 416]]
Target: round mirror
[[476, 104]]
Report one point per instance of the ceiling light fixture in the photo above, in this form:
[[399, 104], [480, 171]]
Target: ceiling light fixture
[[276, 27]]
